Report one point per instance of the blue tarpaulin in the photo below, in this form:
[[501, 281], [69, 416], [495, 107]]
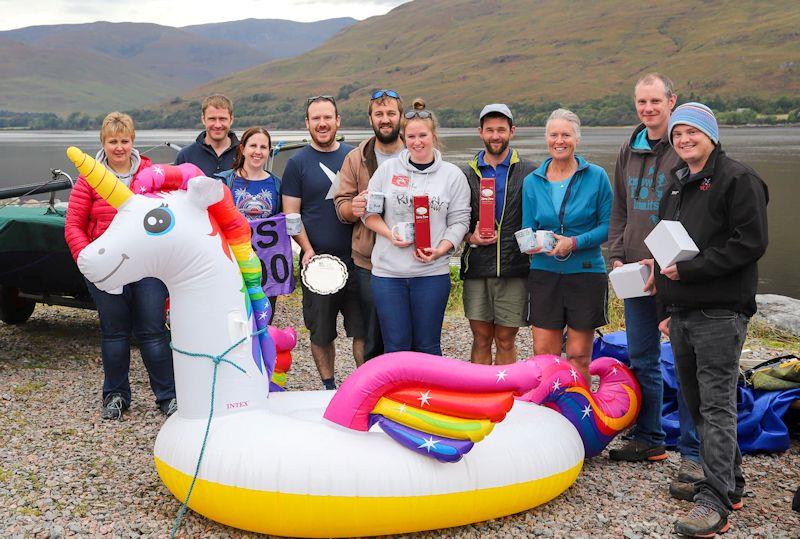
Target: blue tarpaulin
[[761, 426]]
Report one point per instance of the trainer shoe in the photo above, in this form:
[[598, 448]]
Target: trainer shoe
[[681, 490], [690, 471], [113, 406], [702, 521], [638, 451], [168, 407]]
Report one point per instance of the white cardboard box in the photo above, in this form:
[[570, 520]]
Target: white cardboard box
[[629, 280], [670, 243]]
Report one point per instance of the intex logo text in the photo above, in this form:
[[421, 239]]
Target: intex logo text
[[233, 405]]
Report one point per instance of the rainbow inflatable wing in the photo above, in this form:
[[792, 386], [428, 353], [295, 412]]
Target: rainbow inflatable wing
[[436, 408]]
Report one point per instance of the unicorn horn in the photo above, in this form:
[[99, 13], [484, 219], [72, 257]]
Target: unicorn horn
[[100, 178]]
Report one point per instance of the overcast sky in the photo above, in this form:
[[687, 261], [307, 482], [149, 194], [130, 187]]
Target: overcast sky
[[19, 13]]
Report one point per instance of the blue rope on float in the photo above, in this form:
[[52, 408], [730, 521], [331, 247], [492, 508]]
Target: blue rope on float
[[217, 360]]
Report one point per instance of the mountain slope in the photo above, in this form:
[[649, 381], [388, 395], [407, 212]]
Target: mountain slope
[[463, 53], [281, 38]]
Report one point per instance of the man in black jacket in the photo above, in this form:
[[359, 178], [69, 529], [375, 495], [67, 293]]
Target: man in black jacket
[[215, 148], [493, 269], [723, 206]]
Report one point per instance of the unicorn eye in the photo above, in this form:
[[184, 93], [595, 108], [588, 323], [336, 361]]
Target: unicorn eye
[[159, 221]]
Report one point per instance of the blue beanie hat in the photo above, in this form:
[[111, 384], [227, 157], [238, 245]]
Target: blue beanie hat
[[697, 115]]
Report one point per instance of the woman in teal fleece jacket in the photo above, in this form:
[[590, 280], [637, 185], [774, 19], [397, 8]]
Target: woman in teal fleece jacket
[[567, 287]]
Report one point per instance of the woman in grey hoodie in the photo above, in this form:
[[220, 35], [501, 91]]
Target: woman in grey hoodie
[[411, 285]]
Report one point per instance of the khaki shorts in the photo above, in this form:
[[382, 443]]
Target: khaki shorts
[[502, 301]]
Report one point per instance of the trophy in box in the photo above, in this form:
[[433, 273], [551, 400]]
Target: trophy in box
[[422, 223], [486, 212]]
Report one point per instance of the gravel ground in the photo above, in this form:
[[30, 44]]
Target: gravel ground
[[65, 472]]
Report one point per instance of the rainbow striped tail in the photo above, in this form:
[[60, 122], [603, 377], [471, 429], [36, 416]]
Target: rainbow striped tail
[[598, 416]]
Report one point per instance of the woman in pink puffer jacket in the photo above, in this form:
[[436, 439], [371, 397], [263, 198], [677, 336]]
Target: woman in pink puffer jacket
[[139, 307]]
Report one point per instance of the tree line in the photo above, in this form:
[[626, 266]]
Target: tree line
[[266, 109]]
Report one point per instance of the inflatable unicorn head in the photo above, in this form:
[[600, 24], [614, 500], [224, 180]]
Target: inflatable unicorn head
[[183, 228]]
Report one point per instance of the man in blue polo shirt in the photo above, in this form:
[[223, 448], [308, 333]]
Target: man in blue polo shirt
[[215, 148], [493, 269]]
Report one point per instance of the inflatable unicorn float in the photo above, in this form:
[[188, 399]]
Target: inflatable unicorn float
[[409, 441]]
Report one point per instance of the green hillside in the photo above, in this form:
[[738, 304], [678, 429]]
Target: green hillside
[[460, 54], [38, 79]]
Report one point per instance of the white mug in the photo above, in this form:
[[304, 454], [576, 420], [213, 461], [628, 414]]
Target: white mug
[[374, 202], [526, 240], [404, 231], [294, 225], [546, 239]]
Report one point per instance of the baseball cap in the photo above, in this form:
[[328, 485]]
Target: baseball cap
[[496, 107]]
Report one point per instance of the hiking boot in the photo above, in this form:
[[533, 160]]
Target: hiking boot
[[736, 502], [702, 521], [168, 407], [638, 451], [690, 471], [113, 406]]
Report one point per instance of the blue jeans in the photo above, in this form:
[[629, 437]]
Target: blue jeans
[[138, 310], [411, 312], [644, 350], [707, 344], [373, 341]]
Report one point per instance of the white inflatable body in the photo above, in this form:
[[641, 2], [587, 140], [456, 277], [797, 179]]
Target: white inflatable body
[[287, 471]]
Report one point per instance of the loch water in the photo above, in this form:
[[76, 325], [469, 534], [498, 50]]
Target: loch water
[[26, 157]]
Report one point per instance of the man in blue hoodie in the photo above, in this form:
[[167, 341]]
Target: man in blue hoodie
[[640, 179]]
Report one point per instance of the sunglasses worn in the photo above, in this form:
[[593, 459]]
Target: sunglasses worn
[[320, 98], [424, 114], [377, 94]]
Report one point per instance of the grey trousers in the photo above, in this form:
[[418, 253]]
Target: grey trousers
[[707, 344]]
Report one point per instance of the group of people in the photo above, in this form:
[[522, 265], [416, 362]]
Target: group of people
[[672, 168]]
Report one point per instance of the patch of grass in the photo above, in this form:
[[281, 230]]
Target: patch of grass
[[29, 511], [771, 337], [616, 313], [29, 387], [80, 510], [5, 475], [34, 480], [455, 304]]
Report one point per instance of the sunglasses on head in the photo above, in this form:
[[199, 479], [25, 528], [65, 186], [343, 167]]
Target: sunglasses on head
[[320, 98], [424, 114], [377, 94]]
